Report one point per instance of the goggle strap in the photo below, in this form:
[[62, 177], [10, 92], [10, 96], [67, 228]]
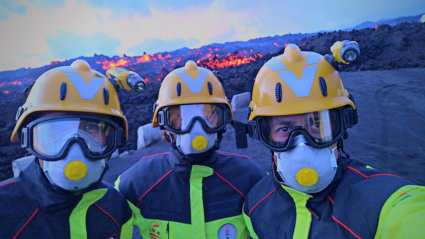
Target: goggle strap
[[161, 117], [241, 130], [24, 138], [349, 117], [120, 137], [252, 129]]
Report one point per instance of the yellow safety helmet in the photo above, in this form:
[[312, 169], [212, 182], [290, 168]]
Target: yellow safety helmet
[[190, 85], [75, 88], [300, 82], [297, 82]]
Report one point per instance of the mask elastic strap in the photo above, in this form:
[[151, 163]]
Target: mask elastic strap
[[333, 159], [340, 145], [173, 142]]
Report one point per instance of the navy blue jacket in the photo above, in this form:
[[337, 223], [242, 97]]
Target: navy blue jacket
[[30, 207], [163, 188], [350, 207]]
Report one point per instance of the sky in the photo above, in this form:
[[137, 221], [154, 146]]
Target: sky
[[36, 32]]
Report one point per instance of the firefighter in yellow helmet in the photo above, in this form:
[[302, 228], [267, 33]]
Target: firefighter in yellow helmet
[[193, 191], [72, 123], [301, 111]]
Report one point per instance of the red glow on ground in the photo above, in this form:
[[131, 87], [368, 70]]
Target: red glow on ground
[[229, 60], [376, 26], [212, 58], [275, 44], [286, 44]]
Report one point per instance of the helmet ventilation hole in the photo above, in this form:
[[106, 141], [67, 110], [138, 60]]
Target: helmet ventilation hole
[[323, 86], [210, 89], [62, 91], [106, 96], [278, 92], [179, 89]]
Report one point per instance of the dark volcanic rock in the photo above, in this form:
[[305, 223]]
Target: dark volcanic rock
[[383, 48]]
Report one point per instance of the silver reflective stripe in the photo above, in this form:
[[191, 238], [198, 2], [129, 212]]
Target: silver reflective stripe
[[195, 85], [66, 69], [276, 65], [86, 90], [100, 74], [300, 87]]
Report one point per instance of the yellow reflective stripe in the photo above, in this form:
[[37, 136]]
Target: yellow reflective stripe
[[117, 183], [403, 214], [248, 223], [138, 219], [77, 219], [196, 202], [155, 228], [127, 229], [303, 218]]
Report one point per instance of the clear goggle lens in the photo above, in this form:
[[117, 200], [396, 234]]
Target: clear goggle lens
[[180, 118], [51, 136], [322, 127]]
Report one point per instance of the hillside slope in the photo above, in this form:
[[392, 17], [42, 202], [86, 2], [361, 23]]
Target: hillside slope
[[383, 48], [389, 135]]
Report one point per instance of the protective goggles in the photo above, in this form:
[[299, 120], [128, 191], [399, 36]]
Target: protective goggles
[[321, 129], [49, 138], [180, 119]]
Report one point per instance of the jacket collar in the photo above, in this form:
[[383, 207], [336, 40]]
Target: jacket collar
[[322, 195], [183, 164], [38, 187]]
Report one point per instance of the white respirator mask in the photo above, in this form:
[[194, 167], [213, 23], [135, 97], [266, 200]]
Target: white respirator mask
[[196, 141], [305, 168], [74, 172]]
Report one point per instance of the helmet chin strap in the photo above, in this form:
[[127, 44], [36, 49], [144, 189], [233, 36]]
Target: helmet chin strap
[[195, 158]]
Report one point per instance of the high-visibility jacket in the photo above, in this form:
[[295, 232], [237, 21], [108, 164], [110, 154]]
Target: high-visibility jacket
[[361, 202], [30, 207], [175, 199]]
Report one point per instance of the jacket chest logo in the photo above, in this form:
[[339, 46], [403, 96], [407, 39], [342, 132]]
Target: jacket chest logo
[[227, 231]]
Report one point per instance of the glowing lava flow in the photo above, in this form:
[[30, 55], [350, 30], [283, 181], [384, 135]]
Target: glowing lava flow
[[160, 64], [212, 58], [230, 60]]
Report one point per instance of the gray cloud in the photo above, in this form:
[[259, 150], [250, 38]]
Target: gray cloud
[[159, 45], [48, 5], [8, 7], [224, 37], [67, 45], [126, 8]]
